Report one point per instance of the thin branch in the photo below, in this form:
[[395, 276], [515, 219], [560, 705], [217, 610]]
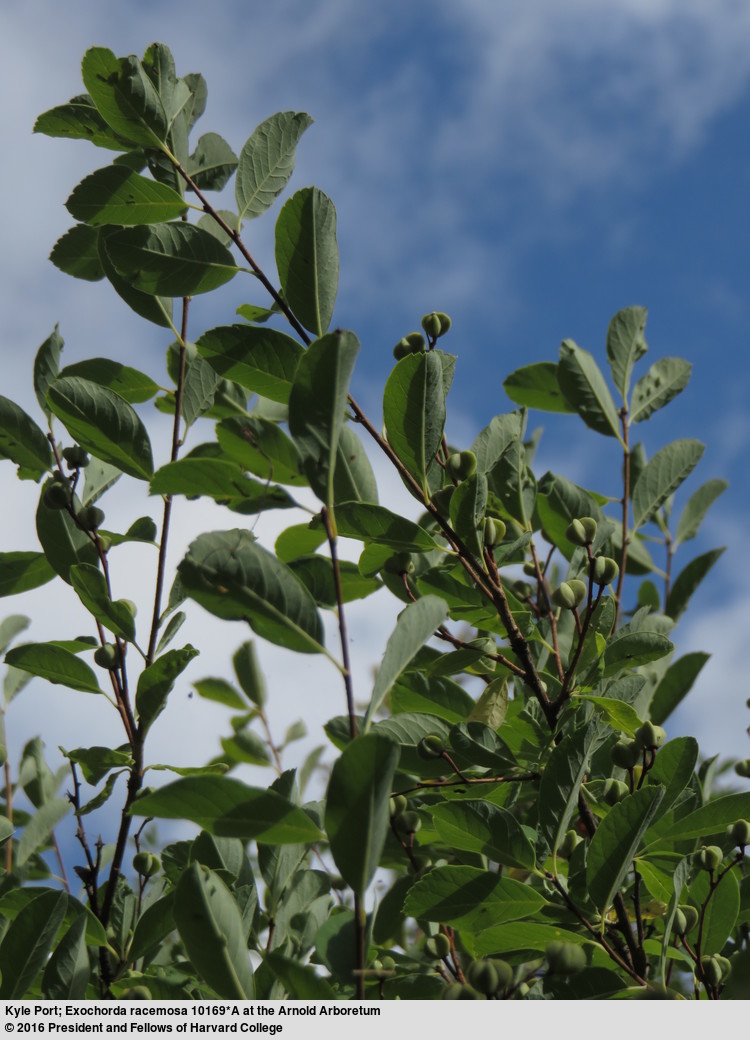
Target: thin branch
[[347, 670], [625, 507]]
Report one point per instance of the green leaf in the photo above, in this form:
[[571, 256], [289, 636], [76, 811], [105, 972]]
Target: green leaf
[[353, 480], [432, 695], [666, 378], [373, 523], [21, 571], [221, 480], [492, 706], [116, 195], [155, 683], [467, 509], [79, 119], [536, 386], [307, 258], [27, 943], [96, 762], [316, 574], [23, 442], [416, 623], [675, 684], [299, 540], [357, 813], [235, 579], [520, 936], [10, 627], [561, 782], [37, 832], [227, 807], [249, 675], [267, 161], [299, 980], [66, 976], [63, 542], [616, 843], [133, 386], [54, 664], [77, 253], [620, 715], [631, 649], [687, 581], [91, 587], [261, 447], [153, 927], [673, 769], [585, 389], [661, 477], [212, 163], [470, 899], [261, 360], [125, 97], [246, 746], [221, 691], [317, 403], [46, 367], [721, 913], [708, 820], [558, 501], [696, 508], [414, 411], [480, 745], [157, 309], [175, 259], [103, 423], [478, 826], [210, 925], [626, 344], [496, 439]]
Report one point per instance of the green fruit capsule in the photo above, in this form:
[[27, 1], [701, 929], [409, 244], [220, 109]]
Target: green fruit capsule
[[711, 970], [401, 350], [437, 946], [739, 832], [568, 845], [743, 768], [650, 736], [565, 958], [691, 916], [494, 531], [445, 322], [457, 991], [462, 464], [76, 457], [129, 605], [709, 857], [563, 596], [388, 964], [90, 517], [725, 964], [580, 589], [56, 496], [146, 864], [416, 342], [398, 804], [431, 325], [625, 754], [614, 791], [137, 993], [108, 656], [408, 822], [484, 977], [605, 570], [431, 746], [581, 531]]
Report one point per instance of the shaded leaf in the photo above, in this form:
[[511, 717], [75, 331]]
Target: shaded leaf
[[54, 664], [261, 360], [156, 682], [27, 943], [372, 523], [666, 378], [77, 253], [22, 441], [266, 162], [212, 163], [536, 386], [116, 195], [470, 899], [625, 345], [661, 477], [479, 826], [46, 367], [125, 97], [21, 571], [133, 386], [67, 973], [63, 542], [157, 309], [307, 258], [585, 389], [561, 782], [687, 581], [79, 119], [175, 259], [37, 832], [616, 842], [696, 508], [414, 411]]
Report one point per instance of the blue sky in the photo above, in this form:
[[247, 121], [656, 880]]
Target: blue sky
[[529, 167]]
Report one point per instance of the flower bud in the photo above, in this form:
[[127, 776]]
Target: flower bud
[[614, 791], [401, 563], [457, 991], [408, 822], [401, 350], [445, 322], [605, 570]]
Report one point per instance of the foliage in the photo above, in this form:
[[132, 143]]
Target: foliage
[[508, 777]]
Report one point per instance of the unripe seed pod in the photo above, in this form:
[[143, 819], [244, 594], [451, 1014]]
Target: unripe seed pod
[[108, 656], [437, 945], [129, 606], [56, 496], [679, 923], [376, 966], [581, 531], [614, 791], [401, 350], [711, 969], [408, 822], [398, 804], [431, 746], [739, 832], [494, 531], [522, 589], [565, 958], [580, 589], [650, 736], [90, 517], [445, 322], [530, 570], [76, 457], [710, 857], [568, 845], [690, 915], [625, 754], [462, 465], [725, 964], [743, 768], [563, 596], [431, 324], [457, 991], [416, 342], [137, 993], [605, 570], [489, 976], [146, 864], [388, 964], [442, 500]]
